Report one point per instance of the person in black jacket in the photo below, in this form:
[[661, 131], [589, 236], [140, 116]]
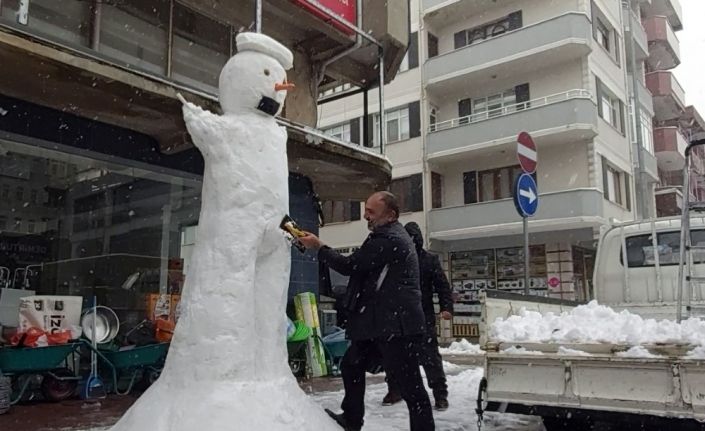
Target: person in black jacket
[[386, 319], [433, 280]]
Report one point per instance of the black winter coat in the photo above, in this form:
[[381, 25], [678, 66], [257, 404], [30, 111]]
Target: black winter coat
[[393, 308], [433, 280]]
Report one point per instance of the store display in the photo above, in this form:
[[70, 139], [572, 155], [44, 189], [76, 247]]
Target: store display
[[49, 313]]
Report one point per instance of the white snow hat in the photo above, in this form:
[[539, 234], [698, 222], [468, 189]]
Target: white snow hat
[[262, 43]]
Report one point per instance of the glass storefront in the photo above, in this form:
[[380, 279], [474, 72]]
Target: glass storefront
[[71, 224]]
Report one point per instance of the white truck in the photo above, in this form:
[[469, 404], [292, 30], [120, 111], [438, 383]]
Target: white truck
[[637, 270]]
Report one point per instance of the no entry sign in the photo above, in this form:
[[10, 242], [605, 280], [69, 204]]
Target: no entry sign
[[526, 152]]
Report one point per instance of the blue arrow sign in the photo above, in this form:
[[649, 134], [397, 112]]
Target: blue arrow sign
[[526, 195]]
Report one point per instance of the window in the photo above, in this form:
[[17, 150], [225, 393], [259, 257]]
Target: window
[[63, 20], [602, 34], [433, 118], [18, 224], [31, 226], [432, 46], [340, 211], [136, 32], [397, 125], [34, 195], [640, 249], [3, 222], [5, 192], [201, 48], [19, 193], [491, 29], [404, 66], [647, 138], [490, 185], [409, 192], [615, 185], [341, 132], [436, 190], [609, 107]]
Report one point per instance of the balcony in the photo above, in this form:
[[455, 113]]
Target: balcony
[[557, 118], [668, 95], [641, 41], [538, 46], [669, 201], [669, 145], [645, 97], [571, 209], [671, 9], [664, 47]]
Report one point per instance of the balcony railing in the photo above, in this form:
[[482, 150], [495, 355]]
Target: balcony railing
[[511, 109]]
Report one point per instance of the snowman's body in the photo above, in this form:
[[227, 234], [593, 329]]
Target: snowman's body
[[227, 365]]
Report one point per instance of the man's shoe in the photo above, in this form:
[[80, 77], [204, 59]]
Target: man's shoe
[[390, 399], [339, 418], [441, 404]]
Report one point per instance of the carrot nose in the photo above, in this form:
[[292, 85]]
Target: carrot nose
[[284, 86]]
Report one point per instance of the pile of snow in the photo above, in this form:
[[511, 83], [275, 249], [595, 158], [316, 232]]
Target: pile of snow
[[564, 351], [514, 350], [594, 323], [462, 347], [637, 352]]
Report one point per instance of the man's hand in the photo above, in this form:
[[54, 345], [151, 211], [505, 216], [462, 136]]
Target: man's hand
[[310, 241], [445, 315]]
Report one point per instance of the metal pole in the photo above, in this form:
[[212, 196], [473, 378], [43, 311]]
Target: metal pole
[[685, 218], [258, 16], [365, 120], [527, 258], [95, 27], [382, 119]]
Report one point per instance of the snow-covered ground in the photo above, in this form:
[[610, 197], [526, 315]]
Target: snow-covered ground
[[462, 347], [462, 387]]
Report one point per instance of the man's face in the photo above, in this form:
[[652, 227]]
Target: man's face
[[376, 212]]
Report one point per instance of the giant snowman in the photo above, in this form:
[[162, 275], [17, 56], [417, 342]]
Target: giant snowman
[[227, 367]]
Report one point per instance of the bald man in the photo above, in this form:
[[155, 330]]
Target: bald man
[[386, 319]]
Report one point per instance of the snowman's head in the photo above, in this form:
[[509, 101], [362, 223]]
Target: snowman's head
[[254, 80]]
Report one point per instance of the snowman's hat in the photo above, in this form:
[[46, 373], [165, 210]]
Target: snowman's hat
[[266, 45]]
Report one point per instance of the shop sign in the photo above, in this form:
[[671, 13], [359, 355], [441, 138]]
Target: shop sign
[[346, 9]]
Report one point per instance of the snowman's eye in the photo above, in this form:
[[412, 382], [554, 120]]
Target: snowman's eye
[[266, 72]]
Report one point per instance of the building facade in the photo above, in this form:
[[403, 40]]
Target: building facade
[[478, 73], [100, 185]]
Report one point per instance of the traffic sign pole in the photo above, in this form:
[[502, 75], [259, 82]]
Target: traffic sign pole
[[526, 256], [526, 194]]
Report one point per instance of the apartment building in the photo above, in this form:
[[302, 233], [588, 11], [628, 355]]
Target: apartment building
[[477, 73]]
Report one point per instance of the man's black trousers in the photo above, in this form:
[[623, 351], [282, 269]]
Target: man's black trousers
[[432, 362], [398, 356]]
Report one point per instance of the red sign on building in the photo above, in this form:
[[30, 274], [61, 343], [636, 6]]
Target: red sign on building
[[346, 9]]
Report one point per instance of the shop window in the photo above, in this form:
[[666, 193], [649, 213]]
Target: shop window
[[201, 48], [409, 192], [66, 21], [136, 32], [341, 211], [640, 249]]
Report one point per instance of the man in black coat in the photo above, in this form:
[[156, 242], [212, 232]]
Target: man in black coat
[[433, 280], [386, 319]]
